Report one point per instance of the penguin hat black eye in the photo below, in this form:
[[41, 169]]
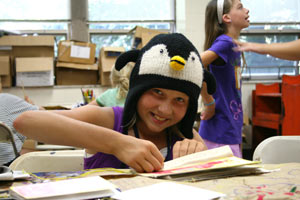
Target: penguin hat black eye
[[161, 51], [193, 58]]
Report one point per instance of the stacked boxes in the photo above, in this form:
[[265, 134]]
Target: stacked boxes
[[29, 60], [76, 52], [76, 64], [38, 49], [76, 74], [34, 71], [5, 71]]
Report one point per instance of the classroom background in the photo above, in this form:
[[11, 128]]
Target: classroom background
[[64, 47]]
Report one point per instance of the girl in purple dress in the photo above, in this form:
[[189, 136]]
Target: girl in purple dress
[[222, 118]]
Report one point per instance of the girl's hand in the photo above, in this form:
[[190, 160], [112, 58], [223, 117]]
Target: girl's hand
[[141, 155], [246, 46], [208, 112], [188, 146]]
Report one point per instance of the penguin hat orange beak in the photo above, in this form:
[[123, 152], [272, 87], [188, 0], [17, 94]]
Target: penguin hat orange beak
[[177, 63]]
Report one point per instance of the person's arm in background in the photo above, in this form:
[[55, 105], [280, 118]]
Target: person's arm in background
[[28, 100], [285, 50], [207, 57]]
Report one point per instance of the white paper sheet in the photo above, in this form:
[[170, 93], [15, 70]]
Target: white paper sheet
[[168, 190]]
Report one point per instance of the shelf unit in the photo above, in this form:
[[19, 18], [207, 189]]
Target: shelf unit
[[276, 109]]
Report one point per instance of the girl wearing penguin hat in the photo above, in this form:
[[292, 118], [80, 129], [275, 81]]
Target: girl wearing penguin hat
[[156, 123]]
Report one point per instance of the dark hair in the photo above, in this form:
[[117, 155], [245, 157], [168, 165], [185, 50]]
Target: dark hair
[[212, 27]]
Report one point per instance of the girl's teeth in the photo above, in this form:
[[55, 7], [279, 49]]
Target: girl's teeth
[[159, 118]]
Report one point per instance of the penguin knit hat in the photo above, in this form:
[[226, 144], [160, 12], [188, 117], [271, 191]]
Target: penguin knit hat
[[168, 61]]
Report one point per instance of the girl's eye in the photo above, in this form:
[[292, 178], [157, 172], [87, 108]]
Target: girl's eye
[[161, 51], [179, 99], [157, 91]]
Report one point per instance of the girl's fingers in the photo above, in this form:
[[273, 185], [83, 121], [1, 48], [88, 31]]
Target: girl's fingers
[[157, 160], [148, 163], [149, 159], [199, 147], [137, 167], [176, 150], [184, 147], [180, 149], [187, 146], [146, 166], [192, 146]]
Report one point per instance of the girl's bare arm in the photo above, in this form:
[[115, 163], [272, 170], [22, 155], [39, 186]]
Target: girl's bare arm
[[81, 127], [285, 50]]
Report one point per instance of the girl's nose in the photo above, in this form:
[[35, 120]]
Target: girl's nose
[[165, 108]]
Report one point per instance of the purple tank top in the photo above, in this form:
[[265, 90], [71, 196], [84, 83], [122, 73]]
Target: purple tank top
[[102, 160]]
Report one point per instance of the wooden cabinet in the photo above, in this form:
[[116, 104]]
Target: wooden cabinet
[[291, 105], [276, 109]]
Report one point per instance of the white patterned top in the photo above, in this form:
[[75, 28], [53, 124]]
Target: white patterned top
[[10, 107]]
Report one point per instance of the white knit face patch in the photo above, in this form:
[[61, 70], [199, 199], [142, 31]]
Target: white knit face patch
[[157, 61]]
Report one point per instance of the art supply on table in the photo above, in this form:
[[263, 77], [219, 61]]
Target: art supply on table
[[88, 95]]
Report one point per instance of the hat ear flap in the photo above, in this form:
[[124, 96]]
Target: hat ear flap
[[210, 81], [124, 58]]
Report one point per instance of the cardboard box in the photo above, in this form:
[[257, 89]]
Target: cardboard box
[[27, 46], [76, 52], [34, 71], [5, 50], [5, 71], [107, 59], [76, 74], [142, 36]]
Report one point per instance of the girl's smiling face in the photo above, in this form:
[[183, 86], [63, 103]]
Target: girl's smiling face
[[160, 108]]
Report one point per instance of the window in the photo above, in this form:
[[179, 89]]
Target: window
[[281, 24], [111, 26], [126, 10], [109, 21], [111, 40], [34, 9], [36, 17]]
